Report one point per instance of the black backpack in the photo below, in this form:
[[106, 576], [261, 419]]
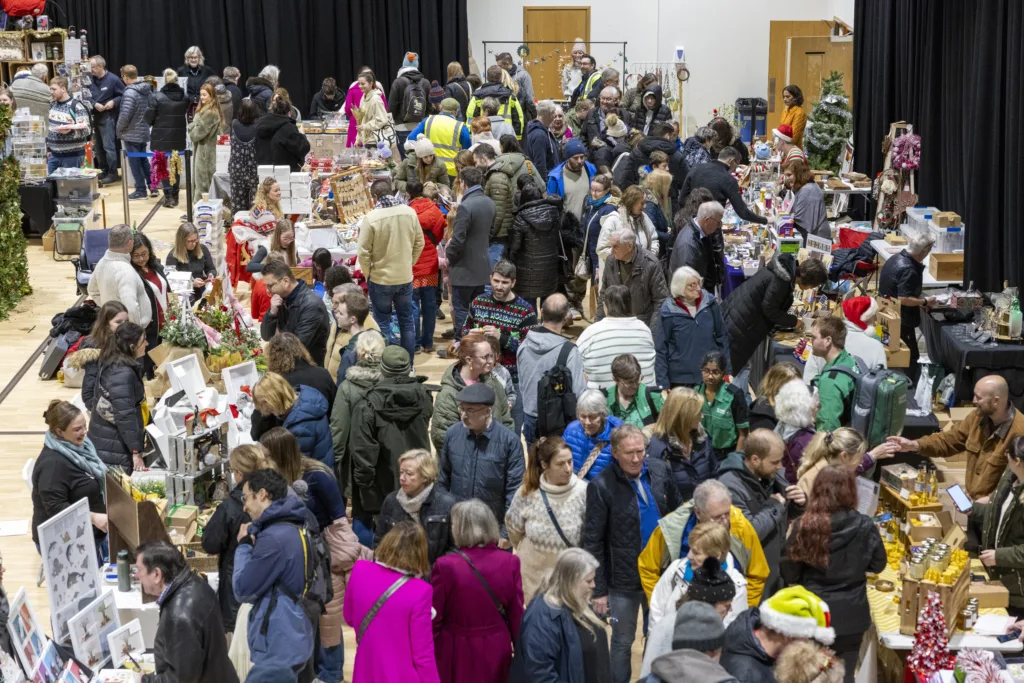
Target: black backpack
[[556, 400], [414, 102], [318, 589]]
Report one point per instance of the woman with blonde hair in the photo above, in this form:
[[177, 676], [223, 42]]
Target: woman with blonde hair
[[190, 254], [203, 131], [804, 661], [302, 412], [458, 88], [762, 410], [679, 439], [546, 514], [266, 206], [195, 71], [419, 500], [480, 127], [629, 215], [282, 240], [657, 188], [843, 447]]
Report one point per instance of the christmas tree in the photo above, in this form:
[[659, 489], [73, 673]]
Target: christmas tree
[[829, 125], [930, 652], [14, 265]]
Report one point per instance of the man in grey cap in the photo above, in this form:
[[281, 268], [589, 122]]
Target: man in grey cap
[[481, 458], [696, 647]]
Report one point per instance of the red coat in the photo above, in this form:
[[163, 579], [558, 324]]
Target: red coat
[[471, 641], [432, 222], [259, 300]]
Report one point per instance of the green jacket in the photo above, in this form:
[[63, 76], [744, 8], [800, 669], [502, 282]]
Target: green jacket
[[446, 408], [406, 171], [500, 185], [359, 379], [1009, 546], [644, 409], [835, 392]]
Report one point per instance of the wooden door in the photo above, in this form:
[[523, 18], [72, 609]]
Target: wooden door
[[780, 33], [559, 26], [812, 59]]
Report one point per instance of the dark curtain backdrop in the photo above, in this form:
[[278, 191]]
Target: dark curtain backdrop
[[307, 39], [955, 70]]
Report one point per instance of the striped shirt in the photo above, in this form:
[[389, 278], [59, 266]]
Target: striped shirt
[[608, 338]]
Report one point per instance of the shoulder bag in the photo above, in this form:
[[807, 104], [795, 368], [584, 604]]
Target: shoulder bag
[[494, 598], [554, 520], [368, 619], [591, 459]]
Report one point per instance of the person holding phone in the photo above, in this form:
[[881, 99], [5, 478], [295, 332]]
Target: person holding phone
[[1000, 520]]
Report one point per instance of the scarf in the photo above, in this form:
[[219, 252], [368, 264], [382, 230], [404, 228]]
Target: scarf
[[412, 505], [598, 202], [786, 431], [387, 201], [83, 457]]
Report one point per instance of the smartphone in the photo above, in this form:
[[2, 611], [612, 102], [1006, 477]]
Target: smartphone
[[1007, 637], [960, 499]]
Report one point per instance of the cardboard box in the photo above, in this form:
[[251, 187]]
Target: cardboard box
[[265, 172], [930, 527], [990, 594], [946, 219], [48, 239], [961, 413], [895, 239], [182, 516], [946, 266], [889, 318], [898, 359]]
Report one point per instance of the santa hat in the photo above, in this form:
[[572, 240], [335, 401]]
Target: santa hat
[[860, 310], [784, 132], [798, 613]]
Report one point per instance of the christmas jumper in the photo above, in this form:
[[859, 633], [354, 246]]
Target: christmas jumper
[[513, 318]]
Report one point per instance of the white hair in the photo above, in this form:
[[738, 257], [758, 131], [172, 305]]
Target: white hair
[[40, 71], [609, 91], [271, 73], [170, 76], [545, 107], [592, 402], [194, 51], [623, 236], [707, 491], [609, 74], [97, 59], [920, 243], [710, 209], [794, 404], [682, 277]]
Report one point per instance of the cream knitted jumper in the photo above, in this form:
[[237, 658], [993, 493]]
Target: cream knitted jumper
[[533, 534]]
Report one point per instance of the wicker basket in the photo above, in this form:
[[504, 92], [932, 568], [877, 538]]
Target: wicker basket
[[197, 559]]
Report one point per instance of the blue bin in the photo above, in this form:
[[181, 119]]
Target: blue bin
[[752, 109]]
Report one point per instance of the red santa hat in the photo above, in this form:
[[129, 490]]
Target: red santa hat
[[784, 132], [859, 310]]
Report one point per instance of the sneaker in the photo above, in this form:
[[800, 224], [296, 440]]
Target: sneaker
[[154, 193], [139, 195], [418, 349], [576, 315], [440, 314], [448, 334]]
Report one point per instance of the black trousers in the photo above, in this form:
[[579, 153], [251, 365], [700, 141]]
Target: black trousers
[[908, 335], [847, 648]]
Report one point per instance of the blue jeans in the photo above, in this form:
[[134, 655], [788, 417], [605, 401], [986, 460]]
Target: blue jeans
[[462, 297], [332, 662], [362, 526], [495, 251], [400, 137], [104, 132], [529, 427], [55, 162], [741, 380], [139, 165], [517, 413], [424, 300], [624, 606], [384, 299]]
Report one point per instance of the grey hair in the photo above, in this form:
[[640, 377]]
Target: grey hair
[[170, 76], [473, 524], [346, 288], [795, 405], [707, 491], [231, 73], [623, 236], [710, 209], [271, 73], [920, 243], [610, 90], [120, 236], [706, 134], [682, 277], [370, 346], [560, 586], [592, 402], [194, 51], [40, 71], [609, 74], [97, 59], [545, 107]]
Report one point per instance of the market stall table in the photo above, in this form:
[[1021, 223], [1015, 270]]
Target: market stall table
[[885, 250], [38, 204], [968, 361], [131, 606]]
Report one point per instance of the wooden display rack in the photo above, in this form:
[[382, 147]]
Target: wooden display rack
[[351, 197], [9, 67], [130, 522]]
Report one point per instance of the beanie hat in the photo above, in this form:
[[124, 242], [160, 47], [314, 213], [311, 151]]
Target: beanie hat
[[579, 45], [616, 128], [450, 105], [698, 627], [423, 146], [394, 362], [436, 93], [859, 310], [412, 59], [711, 584], [784, 132], [798, 613], [574, 147]]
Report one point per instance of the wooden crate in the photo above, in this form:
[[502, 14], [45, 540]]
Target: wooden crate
[[914, 598]]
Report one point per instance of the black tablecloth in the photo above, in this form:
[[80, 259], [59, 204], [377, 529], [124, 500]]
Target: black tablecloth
[[38, 205], [968, 361]]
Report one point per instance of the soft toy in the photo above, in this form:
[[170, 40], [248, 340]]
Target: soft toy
[[762, 151]]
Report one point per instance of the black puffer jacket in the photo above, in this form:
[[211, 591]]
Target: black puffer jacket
[[304, 315], [321, 104], [435, 518], [903, 276], [628, 172], [220, 537], [279, 142], [166, 114], [854, 549], [695, 249], [118, 433], [743, 656], [190, 643], [535, 248], [643, 119], [758, 306], [717, 179], [762, 414], [261, 91], [611, 527]]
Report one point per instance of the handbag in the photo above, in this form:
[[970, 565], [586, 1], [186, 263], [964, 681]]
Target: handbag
[[583, 267], [368, 619], [104, 407], [487, 587], [554, 520]]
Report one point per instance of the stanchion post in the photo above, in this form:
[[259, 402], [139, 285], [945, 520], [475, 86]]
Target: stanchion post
[[124, 187], [188, 183]]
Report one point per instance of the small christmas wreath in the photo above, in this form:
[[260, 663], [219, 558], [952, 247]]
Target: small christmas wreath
[[523, 51]]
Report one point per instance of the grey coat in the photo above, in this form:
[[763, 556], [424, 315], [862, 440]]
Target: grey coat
[[647, 286], [468, 264], [131, 122]]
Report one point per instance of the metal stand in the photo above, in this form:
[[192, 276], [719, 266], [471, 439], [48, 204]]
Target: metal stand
[[186, 156]]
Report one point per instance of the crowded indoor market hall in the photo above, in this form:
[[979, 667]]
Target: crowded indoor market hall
[[477, 341]]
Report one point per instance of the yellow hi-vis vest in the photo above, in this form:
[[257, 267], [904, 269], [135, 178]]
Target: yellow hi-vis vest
[[444, 131], [588, 87]]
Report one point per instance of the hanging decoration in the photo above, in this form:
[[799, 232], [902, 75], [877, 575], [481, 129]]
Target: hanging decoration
[[523, 51]]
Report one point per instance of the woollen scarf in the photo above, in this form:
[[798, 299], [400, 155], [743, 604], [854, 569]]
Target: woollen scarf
[[412, 505], [83, 457]]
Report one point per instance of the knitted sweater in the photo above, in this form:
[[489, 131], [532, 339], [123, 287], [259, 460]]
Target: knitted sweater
[[512, 318], [534, 535], [70, 112]]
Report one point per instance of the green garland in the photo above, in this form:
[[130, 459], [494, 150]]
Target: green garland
[[14, 284]]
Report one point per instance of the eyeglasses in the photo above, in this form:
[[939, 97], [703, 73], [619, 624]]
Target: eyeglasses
[[712, 372], [486, 357]]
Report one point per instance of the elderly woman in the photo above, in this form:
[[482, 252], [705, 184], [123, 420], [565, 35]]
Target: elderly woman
[[697, 147], [678, 438], [546, 515], [590, 435], [303, 412], [478, 600], [421, 501], [560, 128], [689, 325], [629, 215], [195, 71], [762, 410], [808, 210], [795, 409]]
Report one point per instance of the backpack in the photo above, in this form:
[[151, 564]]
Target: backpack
[[414, 102], [556, 400], [318, 590], [879, 401]]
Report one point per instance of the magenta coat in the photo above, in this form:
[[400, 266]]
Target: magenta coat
[[397, 646], [352, 100], [473, 643]]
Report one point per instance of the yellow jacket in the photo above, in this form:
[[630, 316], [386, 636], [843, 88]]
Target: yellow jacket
[[659, 553], [796, 118]]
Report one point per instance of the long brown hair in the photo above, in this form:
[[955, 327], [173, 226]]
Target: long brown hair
[[290, 255], [544, 451], [100, 331], [181, 252], [214, 102], [801, 173], [834, 489], [285, 457], [263, 201]]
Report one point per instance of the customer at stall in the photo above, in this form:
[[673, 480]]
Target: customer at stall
[[289, 358], [87, 349], [629, 399], [302, 411], [261, 89], [902, 278], [688, 326], [408, 110], [633, 266], [353, 99], [295, 308], [616, 334], [203, 132], [29, 87], [106, 90], [278, 140], [808, 209], [726, 137], [785, 146], [793, 112], [166, 115], [804, 661], [696, 244], [447, 133], [114, 394], [762, 410], [282, 241], [630, 216], [147, 265], [230, 76], [697, 148], [795, 408], [835, 389], [67, 128], [829, 551], [717, 176], [423, 165], [420, 500], [844, 448], [859, 314], [189, 254], [679, 439], [467, 250], [326, 100], [242, 168]]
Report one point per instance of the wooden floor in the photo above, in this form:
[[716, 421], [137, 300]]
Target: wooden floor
[[21, 413]]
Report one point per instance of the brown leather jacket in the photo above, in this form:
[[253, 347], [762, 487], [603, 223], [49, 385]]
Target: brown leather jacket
[[985, 447]]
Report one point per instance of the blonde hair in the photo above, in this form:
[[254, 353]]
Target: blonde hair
[[506, 80], [680, 416], [844, 446], [247, 458], [262, 200], [803, 661], [290, 254], [369, 347], [660, 183], [455, 70], [181, 252], [777, 376], [275, 393], [425, 463], [710, 538], [170, 76], [404, 549], [560, 586]]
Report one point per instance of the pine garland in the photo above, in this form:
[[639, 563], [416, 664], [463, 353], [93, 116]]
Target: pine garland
[[829, 125], [14, 284]]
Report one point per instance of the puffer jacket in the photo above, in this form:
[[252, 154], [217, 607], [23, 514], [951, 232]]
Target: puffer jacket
[[647, 287], [409, 170], [391, 420], [304, 315], [220, 537], [279, 142], [446, 408], [758, 306], [260, 91], [131, 122], [500, 186], [628, 172], [681, 340], [1007, 539], [459, 90], [433, 223], [115, 424], [307, 421], [345, 549], [694, 152], [166, 115], [535, 248], [611, 529], [686, 472], [743, 656], [359, 379], [581, 444], [593, 215], [487, 466], [694, 249], [645, 117], [435, 518]]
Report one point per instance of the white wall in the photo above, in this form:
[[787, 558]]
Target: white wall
[[726, 41]]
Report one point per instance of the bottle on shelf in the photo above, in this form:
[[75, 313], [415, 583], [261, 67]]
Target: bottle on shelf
[[933, 486]]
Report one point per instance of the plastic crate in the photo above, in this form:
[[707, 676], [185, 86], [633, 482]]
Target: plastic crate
[[66, 187], [918, 217], [947, 240]]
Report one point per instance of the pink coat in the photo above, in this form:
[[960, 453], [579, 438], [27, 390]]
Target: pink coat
[[472, 641], [396, 647], [352, 100]]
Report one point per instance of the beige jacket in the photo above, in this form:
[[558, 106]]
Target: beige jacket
[[114, 279], [390, 241], [374, 117]]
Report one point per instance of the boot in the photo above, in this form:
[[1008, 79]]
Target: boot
[[174, 198], [166, 201]]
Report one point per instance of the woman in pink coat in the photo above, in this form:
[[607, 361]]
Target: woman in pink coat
[[352, 100], [473, 637], [395, 646]]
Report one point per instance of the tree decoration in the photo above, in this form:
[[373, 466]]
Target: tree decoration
[[14, 283], [829, 125], [930, 652]]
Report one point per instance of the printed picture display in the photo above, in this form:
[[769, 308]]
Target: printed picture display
[[126, 644], [27, 634], [90, 628], [49, 666], [69, 564]]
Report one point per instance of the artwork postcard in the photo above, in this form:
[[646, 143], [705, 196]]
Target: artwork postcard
[[26, 632], [90, 628], [49, 666], [126, 644], [69, 564]]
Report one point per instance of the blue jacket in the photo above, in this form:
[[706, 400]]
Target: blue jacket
[[686, 472], [556, 184], [275, 559], [592, 217], [549, 649], [307, 420], [581, 445], [681, 340], [465, 139], [105, 89], [541, 148]]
